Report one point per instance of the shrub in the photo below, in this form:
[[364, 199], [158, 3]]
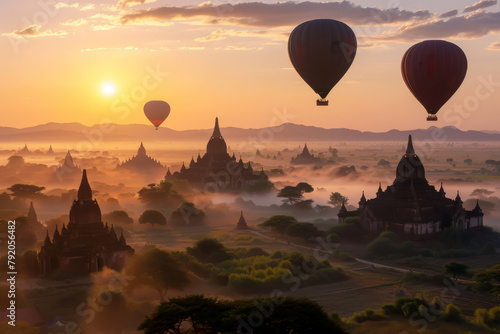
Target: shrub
[[410, 307], [489, 249], [452, 314]]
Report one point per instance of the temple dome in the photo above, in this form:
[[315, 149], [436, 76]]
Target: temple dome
[[216, 144]]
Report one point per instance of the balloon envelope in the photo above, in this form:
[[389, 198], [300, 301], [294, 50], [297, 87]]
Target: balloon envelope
[[433, 71], [322, 51], [156, 112]]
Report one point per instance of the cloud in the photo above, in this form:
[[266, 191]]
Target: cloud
[[128, 48], [474, 25], [90, 6], [66, 5], [192, 48], [75, 23], [449, 14], [494, 46], [243, 48], [103, 27], [33, 31], [221, 34], [128, 3], [279, 14], [479, 5]]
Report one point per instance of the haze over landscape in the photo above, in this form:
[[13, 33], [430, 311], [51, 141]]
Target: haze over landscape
[[252, 208]]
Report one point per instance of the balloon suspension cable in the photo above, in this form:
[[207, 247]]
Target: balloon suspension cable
[[432, 117], [321, 102]]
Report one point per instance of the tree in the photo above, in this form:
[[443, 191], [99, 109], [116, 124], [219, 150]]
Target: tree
[[489, 249], [208, 250], [294, 194], [161, 195], [152, 217], [211, 315], [279, 223], [187, 214], [117, 217], [455, 268], [291, 194], [304, 187], [337, 198], [24, 191], [303, 230], [15, 161], [157, 269], [260, 186]]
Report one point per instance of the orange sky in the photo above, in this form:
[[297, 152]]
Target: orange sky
[[231, 61]]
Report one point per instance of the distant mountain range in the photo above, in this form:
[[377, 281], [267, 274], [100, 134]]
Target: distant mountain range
[[75, 132]]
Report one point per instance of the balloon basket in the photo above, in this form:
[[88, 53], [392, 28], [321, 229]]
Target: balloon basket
[[321, 102], [432, 118]]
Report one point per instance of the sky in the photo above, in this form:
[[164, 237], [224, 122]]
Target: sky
[[101, 61]]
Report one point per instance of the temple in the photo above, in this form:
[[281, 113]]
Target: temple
[[141, 162], [412, 207], [33, 223], [242, 224], [305, 158], [86, 245], [24, 150], [217, 170], [68, 167]]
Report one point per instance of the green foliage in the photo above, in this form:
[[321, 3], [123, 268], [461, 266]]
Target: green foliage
[[279, 223], [452, 314], [157, 269], [351, 229], [161, 195], [187, 215], [209, 250], [152, 217], [337, 199], [489, 249], [333, 238], [303, 230]]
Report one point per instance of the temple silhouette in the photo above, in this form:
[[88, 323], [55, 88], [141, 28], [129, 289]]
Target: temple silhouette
[[217, 170], [412, 207], [242, 224], [86, 245], [141, 162], [68, 167], [305, 158]]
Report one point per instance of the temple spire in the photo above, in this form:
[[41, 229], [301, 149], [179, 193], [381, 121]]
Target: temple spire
[[409, 148], [216, 133], [84, 192]]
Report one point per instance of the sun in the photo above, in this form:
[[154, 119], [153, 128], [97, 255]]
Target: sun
[[108, 89]]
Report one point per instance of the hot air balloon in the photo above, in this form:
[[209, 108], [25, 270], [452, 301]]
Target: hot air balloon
[[156, 112], [322, 51], [433, 71]]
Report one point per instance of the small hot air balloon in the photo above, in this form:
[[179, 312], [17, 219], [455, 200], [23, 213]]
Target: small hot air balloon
[[433, 71], [156, 112], [322, 51]]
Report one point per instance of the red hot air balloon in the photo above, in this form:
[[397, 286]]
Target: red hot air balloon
[[433, 71], [322, 51], [156, 112]]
